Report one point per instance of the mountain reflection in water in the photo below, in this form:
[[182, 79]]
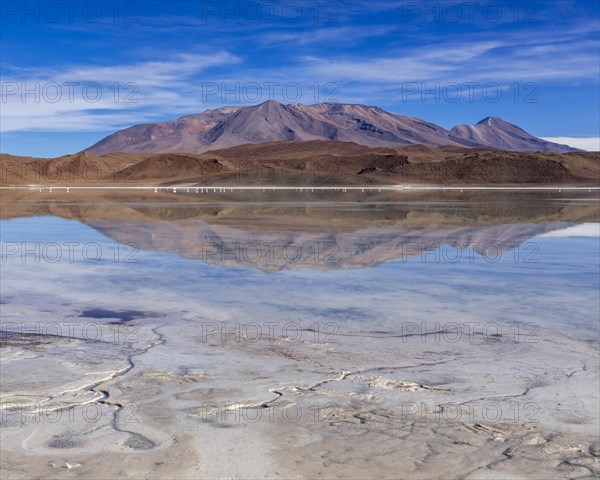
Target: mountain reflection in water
[[323, 231]]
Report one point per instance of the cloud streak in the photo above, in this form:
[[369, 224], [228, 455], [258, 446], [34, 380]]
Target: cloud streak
[[90, 98]]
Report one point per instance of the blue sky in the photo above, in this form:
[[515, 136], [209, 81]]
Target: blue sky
[[74, 72]]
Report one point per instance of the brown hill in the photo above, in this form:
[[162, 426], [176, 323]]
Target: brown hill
[[311, 163]]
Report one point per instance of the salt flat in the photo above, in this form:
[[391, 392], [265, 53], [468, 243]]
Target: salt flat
[[425, 365]]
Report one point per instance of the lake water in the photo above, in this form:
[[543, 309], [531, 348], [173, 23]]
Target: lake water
[[341, 336]]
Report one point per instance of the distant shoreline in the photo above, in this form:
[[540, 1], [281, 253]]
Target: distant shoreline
[[183, 188]]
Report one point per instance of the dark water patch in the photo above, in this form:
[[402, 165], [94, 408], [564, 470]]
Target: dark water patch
[[63, 442], [139, 442], [335, 313], [123, 316]]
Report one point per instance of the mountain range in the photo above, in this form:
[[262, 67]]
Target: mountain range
[[272, 121]]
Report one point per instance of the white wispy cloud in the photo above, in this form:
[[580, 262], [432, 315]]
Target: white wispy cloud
[[477, 61], [327, 36], [152, 73]]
